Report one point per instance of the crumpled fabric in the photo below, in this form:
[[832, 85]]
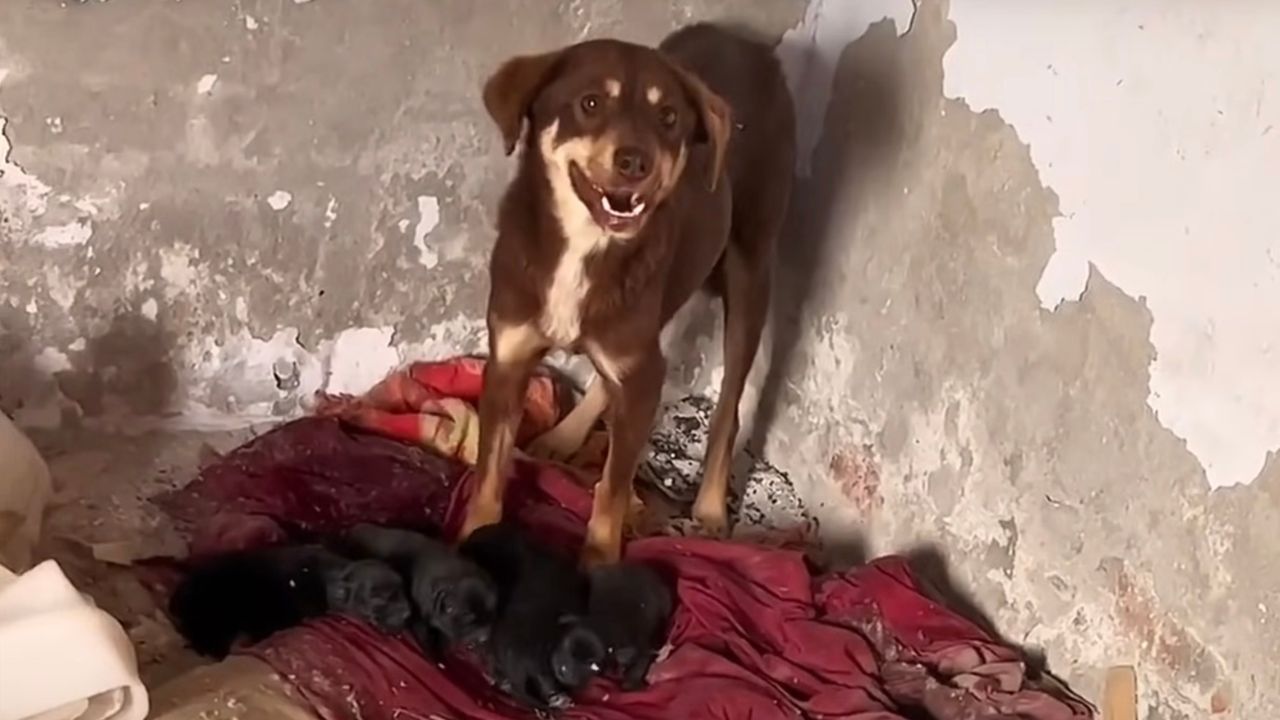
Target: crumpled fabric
[[433, 404], [757, 633], [62, 657]]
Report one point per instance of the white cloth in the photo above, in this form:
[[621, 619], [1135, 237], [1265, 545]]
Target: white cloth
[[61, 658], [25, 490]]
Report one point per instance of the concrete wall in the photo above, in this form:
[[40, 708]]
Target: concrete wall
[[1027, 311]]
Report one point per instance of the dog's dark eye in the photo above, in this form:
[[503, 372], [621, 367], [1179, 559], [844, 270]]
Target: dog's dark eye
[[590, 103], [668, 117]]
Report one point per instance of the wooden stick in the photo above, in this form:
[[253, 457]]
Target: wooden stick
[[1120, 694]]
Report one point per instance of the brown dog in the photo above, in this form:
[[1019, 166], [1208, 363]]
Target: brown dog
[[646, 175]]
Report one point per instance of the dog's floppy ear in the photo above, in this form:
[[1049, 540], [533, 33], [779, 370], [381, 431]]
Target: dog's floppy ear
[[715, 120], [510, 92]]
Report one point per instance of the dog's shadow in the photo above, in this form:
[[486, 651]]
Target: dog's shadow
[[862, 135]]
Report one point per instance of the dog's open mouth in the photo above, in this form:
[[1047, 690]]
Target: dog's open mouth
[[618, 211]]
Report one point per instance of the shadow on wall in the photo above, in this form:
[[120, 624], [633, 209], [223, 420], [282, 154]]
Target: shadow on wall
[[130, 362], [863, 136], [125, 370], [874, 118]]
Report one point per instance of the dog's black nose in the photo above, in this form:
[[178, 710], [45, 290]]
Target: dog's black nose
[[632, 163]]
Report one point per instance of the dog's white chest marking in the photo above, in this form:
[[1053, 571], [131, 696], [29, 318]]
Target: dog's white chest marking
[[562, 309]]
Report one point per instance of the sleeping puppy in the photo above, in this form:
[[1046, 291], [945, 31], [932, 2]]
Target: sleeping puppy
[[454, 599], [628, 611], [369, 590], [539, 592], [256, 593]]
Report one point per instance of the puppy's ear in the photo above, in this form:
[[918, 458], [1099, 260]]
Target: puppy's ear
[[715, 120], [510, 92], [478, 597]]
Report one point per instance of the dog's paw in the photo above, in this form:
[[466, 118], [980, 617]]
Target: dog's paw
[[642, 521], [712, 519]]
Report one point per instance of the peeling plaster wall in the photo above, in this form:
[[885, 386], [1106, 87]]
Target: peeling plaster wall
[[1001, 341], [234, 204], [1157, 125]]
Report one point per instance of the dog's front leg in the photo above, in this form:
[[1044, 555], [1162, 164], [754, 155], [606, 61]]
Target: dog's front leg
[[514, 352], [634, 389]]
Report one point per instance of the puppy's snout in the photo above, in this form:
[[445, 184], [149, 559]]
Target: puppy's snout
[[632, 163]]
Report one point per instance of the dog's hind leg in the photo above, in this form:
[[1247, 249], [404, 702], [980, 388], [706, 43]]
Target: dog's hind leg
[[569, 435], [745, 282]]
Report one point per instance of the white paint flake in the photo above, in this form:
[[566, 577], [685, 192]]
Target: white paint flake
[[61, 288], [179, 271], [1159, 130], [32, 194], [811, 51], [69, 234], [250, 22], [457, 336], [360, 358], [428, 218], [241, 380], [279, 200], [205, 86], [150, 309], [52, 360], [330, 212]]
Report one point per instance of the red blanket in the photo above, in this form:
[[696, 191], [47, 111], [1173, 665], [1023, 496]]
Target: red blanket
[[756, 633]]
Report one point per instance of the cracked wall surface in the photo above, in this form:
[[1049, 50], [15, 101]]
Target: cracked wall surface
[[233, 204]]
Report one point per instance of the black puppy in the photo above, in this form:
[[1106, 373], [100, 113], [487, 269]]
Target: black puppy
[[455, 600], [539, 593], [255, 593], [628, 611]]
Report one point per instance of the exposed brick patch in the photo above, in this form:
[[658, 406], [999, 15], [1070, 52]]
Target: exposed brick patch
[[1160, 636], [1220, 701], [857, 474]]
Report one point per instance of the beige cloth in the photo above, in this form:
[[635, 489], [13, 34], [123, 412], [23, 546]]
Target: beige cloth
[[61, 658], [239, 688], [25, 490]]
